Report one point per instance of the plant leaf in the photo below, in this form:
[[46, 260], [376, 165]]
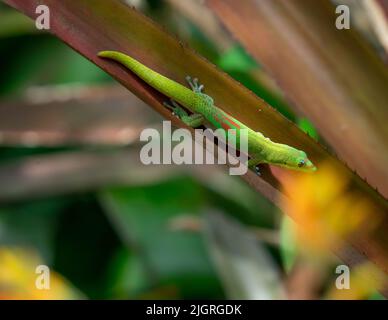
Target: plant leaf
[[244, 265], [331, 75]]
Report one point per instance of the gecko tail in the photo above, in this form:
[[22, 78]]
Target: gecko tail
[[161, 83]]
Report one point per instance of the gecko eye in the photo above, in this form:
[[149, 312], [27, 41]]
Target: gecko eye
[[301, 163]]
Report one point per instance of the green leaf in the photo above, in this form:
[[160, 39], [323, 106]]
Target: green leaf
[[142, 217], [308, 127], [237, 59], [288, 246]]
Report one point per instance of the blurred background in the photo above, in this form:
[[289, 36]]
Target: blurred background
[[75, 197]]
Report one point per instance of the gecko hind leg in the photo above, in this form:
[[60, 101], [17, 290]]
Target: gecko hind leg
[[194, 120], [254, 164], [257, 170], [176, 109], [194, 84]]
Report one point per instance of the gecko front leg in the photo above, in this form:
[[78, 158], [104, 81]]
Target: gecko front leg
[[194, 120], [194, 84]]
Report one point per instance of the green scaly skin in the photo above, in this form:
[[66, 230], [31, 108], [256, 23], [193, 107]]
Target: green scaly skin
[[260, 148]]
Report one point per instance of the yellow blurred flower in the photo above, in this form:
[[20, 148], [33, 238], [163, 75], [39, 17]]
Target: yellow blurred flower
[[326, 212], [328, 215], [19, 276], [365, 279]]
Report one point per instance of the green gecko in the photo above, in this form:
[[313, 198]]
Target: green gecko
[[260, 149]]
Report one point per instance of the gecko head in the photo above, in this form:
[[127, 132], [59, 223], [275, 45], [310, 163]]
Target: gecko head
[[303, 163], [296, 160]]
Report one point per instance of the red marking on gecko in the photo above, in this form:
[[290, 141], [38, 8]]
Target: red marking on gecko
[[217, 119], [225, 125], [226, 119], [236, 125]]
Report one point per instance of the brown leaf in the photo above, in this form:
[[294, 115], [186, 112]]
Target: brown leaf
[[331, 75], [105, 115]]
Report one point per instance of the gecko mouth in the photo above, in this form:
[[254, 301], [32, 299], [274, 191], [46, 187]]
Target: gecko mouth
[[309, 166]]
